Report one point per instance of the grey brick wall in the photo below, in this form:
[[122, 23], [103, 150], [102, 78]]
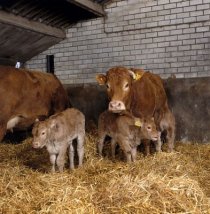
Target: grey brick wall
[[164, 36]]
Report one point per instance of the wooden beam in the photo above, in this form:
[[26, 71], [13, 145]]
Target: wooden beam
[[91, 6], [18, 21]]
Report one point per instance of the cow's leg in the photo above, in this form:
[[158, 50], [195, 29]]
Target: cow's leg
[[52, 161], [101, 143], [80, 148], [113, 148], [3, 130], [71, 155], [170, 137]]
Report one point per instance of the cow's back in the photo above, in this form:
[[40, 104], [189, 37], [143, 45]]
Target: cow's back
[[29, 94]]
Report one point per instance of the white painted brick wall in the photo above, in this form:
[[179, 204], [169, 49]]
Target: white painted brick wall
[[164, 36]]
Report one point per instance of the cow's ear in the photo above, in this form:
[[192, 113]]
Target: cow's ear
[[101, 79], [132, 74]]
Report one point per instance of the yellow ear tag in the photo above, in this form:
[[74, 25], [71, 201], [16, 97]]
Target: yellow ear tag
[[138, 76], [138, 122]]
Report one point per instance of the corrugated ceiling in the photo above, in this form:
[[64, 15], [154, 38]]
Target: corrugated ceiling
[[28, 27], [56, 13]]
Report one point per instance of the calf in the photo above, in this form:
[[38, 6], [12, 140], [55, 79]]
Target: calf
[[57, 134], [127, 131]]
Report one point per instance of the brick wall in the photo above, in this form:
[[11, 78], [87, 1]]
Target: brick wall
[[164, 36]]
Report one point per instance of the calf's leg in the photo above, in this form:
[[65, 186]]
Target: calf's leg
[[146, 144], [133, 153], [113, 148], [101, 143], [124, 144], [61, 159], [52, 161], [170, 139], [80, 148], [71, 155], [158, 144]]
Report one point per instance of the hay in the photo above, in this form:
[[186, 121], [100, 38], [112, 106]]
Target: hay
[[176, 182]]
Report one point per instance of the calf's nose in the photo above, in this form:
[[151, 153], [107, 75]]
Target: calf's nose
[[155, 138], [35, 144]]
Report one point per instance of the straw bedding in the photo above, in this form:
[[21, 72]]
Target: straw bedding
[[177, 182]]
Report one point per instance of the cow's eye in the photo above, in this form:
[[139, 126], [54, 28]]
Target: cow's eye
[[108, 86], [126, 86]]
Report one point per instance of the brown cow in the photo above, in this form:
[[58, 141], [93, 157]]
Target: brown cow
[[125, 130], [26, 96], [57, 134], [141, 93]]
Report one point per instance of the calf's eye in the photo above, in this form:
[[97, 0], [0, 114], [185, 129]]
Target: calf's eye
[[149, 127], [43, 133]]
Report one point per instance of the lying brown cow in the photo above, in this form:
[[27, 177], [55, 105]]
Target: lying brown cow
[[26, 96], [141, 93], [57, 134], [125, 130]]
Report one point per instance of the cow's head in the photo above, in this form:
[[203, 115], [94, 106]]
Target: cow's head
[[118, 81]]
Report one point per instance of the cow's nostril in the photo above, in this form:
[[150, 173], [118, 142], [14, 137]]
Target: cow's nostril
[[119, 105]]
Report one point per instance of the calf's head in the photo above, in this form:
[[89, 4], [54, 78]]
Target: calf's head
[[40, 134], [148, 128], [118, 81], [46, 131]]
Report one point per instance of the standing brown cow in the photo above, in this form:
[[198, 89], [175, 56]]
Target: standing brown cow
[[27, 95], [141, 93]]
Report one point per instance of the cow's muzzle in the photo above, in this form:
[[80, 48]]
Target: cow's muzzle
[[116, 106]]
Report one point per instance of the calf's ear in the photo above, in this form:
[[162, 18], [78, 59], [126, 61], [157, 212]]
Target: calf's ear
[[101, 79], [54, 125]]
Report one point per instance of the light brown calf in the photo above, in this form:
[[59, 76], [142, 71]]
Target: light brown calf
[[124, 130], [57, 134]]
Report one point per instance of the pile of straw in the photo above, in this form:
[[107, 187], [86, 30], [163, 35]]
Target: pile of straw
[[177, 182]]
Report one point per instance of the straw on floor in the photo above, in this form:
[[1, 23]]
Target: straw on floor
[[177, 182]]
